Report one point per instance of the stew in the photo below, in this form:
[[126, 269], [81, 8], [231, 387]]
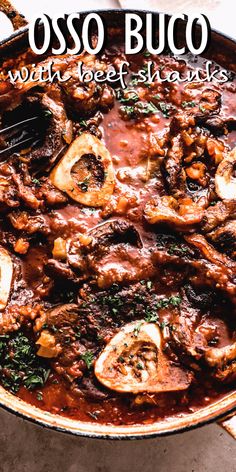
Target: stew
[[118, 240]]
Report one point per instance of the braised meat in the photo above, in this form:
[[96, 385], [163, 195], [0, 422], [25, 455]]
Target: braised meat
[[118, 240]]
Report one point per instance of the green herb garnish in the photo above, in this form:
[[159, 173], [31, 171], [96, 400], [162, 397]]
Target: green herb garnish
[[175, 249], [36, 182], [149, 284], [87, 357], [190, 104], [39, 396], [128, 96], [151, 316], [83, 123], [19, 364], [165, 302]]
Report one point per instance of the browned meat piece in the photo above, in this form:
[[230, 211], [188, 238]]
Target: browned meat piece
[[183, 214], [186, 337], [217, 214], [11, 95], [111, 253], [219, 125], [90, 388], [23, 221], [174, 172], [227, 373], [59, 131], [8, 195], [114, 232], [55, 129], [17, 185], [59, 332], [51, 195], [185, 144], [85, 98], [213, 267], [225, 238], [26, 193], [60, 270], [205, 102], [60, 315], [223, 361], [217, 357], [210, 102]]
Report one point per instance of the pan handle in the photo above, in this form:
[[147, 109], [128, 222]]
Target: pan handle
[[229, 424], [17, 19]]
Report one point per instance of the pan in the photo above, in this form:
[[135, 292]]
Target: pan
[[221, 411]]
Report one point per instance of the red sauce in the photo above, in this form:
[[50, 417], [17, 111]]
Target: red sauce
[[137, 144]]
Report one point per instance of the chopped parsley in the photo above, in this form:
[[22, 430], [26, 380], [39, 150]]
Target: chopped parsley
[[176, 249], [157, 96], [134, 81], [165, 302], [163, 324], [128, 96], [202, 109], [77, 333], [19, 363], [128, 110], [151, 316], [36, 182], [139, 366], [87, 357], [149, 284], [165, 108], [83, 123], [190, 104], [147, 108], [166, 324], [114, 302], [139, 109], [39, 396], [175, 300]]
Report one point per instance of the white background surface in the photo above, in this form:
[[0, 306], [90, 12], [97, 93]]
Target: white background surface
[[25, 447]]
